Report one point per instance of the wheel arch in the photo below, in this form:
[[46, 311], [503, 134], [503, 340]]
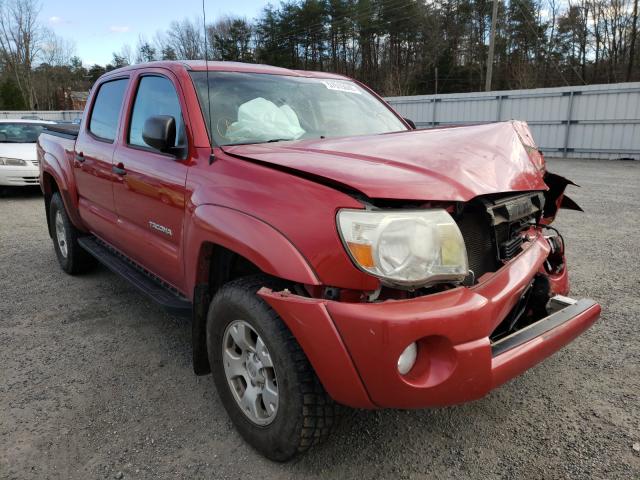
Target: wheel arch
[[49, 186], [57, 177], [231, 244]]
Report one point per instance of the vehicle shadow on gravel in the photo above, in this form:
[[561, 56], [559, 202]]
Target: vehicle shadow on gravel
[[20, 192]]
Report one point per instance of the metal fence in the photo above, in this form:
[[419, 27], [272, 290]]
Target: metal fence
[[53, 115], [594, 121]]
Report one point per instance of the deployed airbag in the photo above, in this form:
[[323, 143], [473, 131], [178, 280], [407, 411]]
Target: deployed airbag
[[262, 120]]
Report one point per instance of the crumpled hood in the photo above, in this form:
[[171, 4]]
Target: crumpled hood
[[452, 164]]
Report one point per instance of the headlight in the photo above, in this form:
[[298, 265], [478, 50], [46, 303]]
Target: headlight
[[13, 162], [413, 248]]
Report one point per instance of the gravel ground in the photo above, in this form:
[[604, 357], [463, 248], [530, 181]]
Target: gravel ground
[[96, 381]]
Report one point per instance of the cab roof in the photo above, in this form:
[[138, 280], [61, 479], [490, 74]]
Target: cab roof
[[217, 66]]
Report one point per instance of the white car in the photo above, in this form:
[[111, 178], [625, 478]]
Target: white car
[[18, 159]]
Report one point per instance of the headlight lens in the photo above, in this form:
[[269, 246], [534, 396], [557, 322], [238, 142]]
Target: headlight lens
[[405, 248], [13, 162]]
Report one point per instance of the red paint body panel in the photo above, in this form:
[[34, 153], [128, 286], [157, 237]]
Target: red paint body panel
[[56, 160], [453, 164], [248, 236], [452, 330], [309, 321], [292, 206], [275, 205], [153, 189], [93, 176]]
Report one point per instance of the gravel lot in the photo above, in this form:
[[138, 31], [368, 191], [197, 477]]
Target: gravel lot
[[96, 381]]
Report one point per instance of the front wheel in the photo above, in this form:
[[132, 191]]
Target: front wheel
[[263, 378]]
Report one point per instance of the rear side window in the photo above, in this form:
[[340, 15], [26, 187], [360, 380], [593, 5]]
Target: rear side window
[[106, 109], [155, 96]]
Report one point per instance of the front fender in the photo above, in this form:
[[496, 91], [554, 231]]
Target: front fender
[[257, 241]]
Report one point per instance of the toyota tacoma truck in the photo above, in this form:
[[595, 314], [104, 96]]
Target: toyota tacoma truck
[[328, 253]]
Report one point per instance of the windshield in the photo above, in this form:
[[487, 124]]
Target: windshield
[[258, 108], [20, 132]]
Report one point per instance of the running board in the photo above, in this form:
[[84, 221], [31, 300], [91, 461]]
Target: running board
[[140, 278]]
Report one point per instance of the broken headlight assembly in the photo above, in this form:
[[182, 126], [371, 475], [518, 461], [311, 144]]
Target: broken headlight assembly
[[408, 248]]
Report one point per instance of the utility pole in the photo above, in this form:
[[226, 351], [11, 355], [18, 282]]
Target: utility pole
[[492, 44], [436, 89], [634, 34]]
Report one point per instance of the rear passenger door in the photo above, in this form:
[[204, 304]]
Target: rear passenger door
[[92, 158], [150, 192]]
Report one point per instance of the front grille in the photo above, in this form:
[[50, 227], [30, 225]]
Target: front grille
[[478, 238], [22, 180], [35, 163], [492, 229]]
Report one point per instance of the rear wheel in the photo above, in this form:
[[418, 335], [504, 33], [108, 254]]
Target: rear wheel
[[71, 256], [263, 378]]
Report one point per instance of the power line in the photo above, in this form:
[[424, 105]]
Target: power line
[[555, 64]]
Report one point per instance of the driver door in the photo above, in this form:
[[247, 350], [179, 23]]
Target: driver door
[[149, 193]]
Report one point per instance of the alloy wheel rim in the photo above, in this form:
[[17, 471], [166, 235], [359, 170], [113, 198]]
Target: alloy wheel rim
[[61, 234], [250, 372]]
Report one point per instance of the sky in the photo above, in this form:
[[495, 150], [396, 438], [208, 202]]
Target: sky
[[98, 28]]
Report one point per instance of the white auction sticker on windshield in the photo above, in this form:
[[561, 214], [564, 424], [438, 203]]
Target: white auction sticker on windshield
[[341, 86]]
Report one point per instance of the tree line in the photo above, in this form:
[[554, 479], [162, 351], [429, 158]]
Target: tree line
[[399, 47]]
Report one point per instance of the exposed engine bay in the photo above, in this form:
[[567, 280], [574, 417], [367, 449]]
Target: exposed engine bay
[[493, 228]]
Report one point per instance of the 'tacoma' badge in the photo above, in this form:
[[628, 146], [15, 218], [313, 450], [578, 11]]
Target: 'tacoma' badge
[[160, 228]]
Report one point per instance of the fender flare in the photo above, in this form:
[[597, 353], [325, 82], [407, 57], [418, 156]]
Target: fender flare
[[257, 241], [65, 182]]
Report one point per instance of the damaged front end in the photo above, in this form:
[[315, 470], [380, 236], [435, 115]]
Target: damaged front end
[[434, 340], [555, 199]]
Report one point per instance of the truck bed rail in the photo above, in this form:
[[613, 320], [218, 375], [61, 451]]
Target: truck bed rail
[[65, 130]]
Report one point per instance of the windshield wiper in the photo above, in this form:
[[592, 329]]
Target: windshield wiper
[[273, 140]]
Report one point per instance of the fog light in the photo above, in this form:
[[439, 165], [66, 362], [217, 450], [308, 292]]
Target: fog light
[[407, 359]]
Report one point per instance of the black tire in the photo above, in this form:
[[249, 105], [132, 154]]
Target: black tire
[[75, 259], [305, 414]]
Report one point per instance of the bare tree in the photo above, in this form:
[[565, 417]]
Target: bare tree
[[56, 51], [185, 39], [126, 54], [145, 51], [21, 39]]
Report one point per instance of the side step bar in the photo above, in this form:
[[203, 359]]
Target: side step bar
[[563, 309], [143, 280]]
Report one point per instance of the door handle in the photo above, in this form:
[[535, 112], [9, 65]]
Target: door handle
[[80, 157], [119, 169]]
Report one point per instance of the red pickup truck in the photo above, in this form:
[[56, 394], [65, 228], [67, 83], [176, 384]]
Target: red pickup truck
[[327, 251]]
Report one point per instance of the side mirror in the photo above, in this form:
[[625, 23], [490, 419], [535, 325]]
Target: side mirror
[[159, 132], [410, 122]]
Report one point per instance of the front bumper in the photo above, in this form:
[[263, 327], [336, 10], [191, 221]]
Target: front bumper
[[19, 176], [354, 347]]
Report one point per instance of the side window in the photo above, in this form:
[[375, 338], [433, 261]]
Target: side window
[[155, 96], [106, 109]]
